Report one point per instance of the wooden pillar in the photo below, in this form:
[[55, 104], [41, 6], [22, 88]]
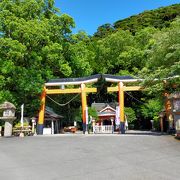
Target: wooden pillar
[[161, 124], [57, 128], [84, 105], [52, 127], [41, 112], [121, 106]]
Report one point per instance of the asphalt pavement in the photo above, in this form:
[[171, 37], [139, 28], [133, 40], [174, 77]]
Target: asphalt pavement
[[133, 156]]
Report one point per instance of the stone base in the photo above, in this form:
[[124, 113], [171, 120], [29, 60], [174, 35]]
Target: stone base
[[40, 129], [122, 127], [8, 128], [21, 134]]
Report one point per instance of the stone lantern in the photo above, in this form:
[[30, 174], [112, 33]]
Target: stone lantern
[[7, 110]]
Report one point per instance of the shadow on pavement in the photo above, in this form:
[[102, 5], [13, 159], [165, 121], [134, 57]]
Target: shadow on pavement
[[152, 133]]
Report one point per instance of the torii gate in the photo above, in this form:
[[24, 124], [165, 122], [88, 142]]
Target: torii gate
[[121, 88], [49, 89]]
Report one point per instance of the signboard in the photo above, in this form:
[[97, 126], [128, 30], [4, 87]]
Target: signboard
[[117, 119]]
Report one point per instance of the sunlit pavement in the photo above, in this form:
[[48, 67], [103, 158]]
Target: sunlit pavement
[[135, 155]]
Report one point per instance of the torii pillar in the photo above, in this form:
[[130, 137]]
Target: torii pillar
[[121, 106], [84, 106], [121, 89], [40, 124]]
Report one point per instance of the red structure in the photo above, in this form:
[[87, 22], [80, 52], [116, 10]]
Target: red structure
[[106, 113]]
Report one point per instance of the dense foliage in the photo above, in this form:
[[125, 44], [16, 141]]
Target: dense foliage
[[36, 44], [159, 18], [150, 111], [34, 47], [130, 115]]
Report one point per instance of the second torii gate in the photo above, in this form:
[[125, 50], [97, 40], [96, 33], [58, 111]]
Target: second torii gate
[[121, 88], [51, 88]]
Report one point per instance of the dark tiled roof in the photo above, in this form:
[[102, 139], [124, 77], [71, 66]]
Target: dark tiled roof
[[117, 77], [50, 113], [98, 76], [101, 106], [75, 79], [98, 106]]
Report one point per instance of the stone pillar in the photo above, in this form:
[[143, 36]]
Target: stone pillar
[[8, 128], [33, 125], [152, 123], [112, 124]]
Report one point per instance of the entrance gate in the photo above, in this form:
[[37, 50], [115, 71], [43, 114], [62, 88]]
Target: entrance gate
[[53, 87]]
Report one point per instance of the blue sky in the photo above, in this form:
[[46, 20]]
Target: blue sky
[[90, 14]]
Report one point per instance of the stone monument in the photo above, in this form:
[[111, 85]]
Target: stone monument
[[7, 114]]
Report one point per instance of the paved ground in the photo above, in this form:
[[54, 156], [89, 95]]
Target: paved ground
[[90, 157]]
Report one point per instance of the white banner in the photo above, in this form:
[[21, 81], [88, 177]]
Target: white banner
[[87, 119], [22, 114], [117, 120]]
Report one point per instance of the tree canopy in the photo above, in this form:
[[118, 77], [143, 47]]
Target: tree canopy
[[34, 46], [158, 18]]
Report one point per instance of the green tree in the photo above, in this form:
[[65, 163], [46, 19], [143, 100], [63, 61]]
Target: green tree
[[93, 112], [31, 49], [158, 18], [151, 110], [130, 115], [104, 30], [78, 54], [108, 51], [163, 61]]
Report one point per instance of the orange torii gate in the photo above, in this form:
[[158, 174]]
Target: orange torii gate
[[51, 88], [121, 88]]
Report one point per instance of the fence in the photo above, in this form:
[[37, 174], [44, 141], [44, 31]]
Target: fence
[[103, 129]]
